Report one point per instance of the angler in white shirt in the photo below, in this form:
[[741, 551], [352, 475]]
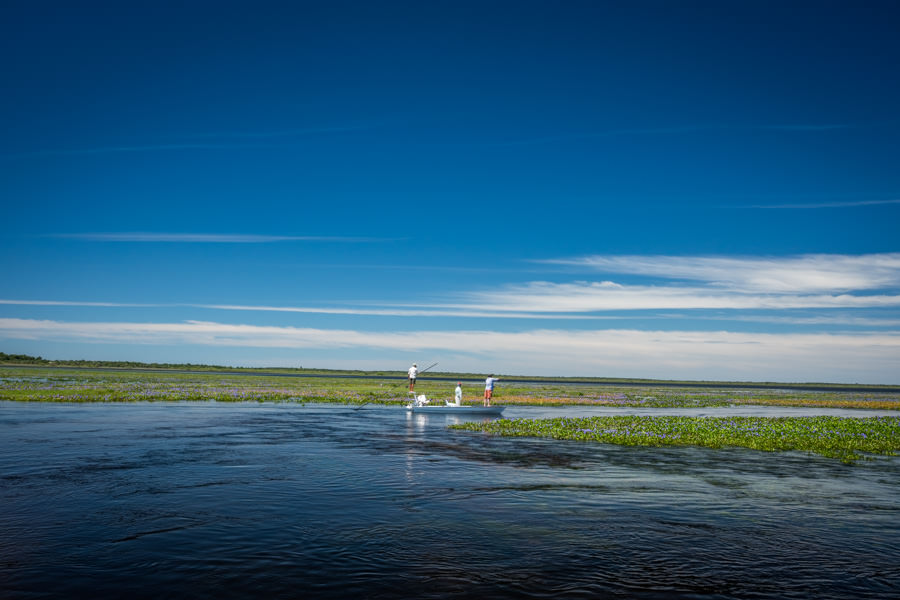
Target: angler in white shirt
[[413, 371]]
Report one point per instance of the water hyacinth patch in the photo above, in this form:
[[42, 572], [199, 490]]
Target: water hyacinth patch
[[661, 397], [844, 438], [68, 386]]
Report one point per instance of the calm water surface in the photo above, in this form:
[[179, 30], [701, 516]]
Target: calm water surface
[[283, 501]]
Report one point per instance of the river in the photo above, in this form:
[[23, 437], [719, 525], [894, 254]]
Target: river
[[222, 500]]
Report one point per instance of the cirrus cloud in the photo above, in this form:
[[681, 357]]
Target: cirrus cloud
[[804, 274], [206, 238], [606, 296]]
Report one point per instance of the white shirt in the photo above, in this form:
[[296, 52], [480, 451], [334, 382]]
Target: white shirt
[[458, 395], [413, 371], [489, 383]]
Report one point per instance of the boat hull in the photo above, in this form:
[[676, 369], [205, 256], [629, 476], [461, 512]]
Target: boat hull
[[457, 410]]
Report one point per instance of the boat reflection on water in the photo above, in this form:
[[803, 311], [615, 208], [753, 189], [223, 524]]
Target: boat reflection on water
[[420, 426], [418, 420]]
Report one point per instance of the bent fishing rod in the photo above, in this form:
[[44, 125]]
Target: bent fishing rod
[[426, 368]]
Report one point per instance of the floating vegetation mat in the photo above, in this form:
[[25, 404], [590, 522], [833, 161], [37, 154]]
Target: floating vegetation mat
[[690, 398], [844, 438]]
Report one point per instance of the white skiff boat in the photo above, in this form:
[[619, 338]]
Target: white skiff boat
[[421, 404]]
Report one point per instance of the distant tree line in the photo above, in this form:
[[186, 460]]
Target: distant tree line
[[24, 359]]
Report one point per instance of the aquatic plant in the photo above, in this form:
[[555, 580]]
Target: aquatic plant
[[662, 397], [55, 386], [845, 438]]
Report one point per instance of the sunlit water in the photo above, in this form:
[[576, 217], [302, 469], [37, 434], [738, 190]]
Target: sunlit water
[[282, 501]]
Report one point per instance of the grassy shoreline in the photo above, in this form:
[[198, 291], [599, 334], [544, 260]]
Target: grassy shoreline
[[56, 384], [28, 362]]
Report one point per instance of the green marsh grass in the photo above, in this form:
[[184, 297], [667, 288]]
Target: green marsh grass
[[84, 385]]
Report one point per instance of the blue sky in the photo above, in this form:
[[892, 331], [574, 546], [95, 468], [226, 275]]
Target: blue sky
[[689, 190]]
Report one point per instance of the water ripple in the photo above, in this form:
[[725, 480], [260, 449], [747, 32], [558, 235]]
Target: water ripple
[[286, 501]]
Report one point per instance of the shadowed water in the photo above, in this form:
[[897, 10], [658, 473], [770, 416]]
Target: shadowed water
[[228, 500]]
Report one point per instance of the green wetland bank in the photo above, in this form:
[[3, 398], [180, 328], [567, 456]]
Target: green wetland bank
[[853, 435]]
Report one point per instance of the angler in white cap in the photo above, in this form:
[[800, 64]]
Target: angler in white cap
[[413, 371]]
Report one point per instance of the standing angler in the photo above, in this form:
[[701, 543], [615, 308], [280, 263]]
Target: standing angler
[[413, 371], [489, 389]]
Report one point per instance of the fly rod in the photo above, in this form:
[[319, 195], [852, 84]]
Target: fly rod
[[422, 371]]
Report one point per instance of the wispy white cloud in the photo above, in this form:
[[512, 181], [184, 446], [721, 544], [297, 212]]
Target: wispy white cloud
[[817, 320], [606, 296], [77, 303], [830, 319], [733, 284], [835, 204], [714, 355], [805, 274], [426, 311], [397, 312], [208, 238], [543, 300]]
